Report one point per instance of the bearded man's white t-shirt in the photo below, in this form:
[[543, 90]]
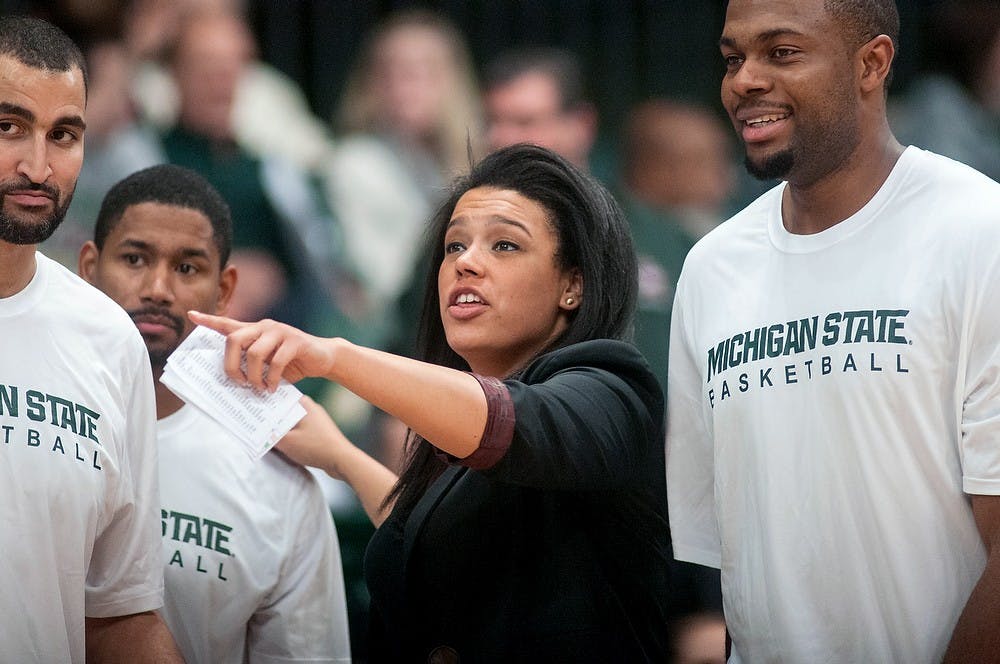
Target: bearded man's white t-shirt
[[79, 527], [832, 399]]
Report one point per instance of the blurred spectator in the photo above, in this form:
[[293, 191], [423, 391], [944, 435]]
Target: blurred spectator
[[407, 120], [263, 93], [679, 160], [953, 108], [538, 95], [282, 237], [678, 176]]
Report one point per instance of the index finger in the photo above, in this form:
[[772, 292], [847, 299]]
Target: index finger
[[218, 323], [232, 360]]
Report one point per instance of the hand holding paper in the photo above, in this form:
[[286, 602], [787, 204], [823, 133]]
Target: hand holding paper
[[258, 418]]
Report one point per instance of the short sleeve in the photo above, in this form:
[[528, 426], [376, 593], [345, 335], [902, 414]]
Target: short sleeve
[[980, 425], [690, 452], [125, 575], [304, 618]]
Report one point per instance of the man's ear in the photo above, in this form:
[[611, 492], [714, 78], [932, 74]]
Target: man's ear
[[227, 286], [876, 61], [86, 264]]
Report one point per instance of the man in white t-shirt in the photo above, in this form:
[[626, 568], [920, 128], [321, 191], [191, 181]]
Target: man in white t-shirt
[[834, 394], [81, 574], [253, 568]]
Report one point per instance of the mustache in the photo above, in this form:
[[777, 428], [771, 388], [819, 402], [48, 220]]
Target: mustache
[[759, 105], [22, 183], [176, 322]]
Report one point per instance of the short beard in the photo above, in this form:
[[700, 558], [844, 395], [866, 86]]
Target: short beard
[[158, 360], [15, 230], [158, 356], [776, 166]]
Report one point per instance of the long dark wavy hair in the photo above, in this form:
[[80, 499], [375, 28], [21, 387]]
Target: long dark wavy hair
[[592, 236]]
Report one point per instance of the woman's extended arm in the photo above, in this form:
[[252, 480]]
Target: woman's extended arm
[[446, 407]]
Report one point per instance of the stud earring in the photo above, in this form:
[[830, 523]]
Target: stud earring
[[569, 300]]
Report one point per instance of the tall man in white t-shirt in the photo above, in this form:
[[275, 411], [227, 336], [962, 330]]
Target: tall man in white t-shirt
[[81, 573], [834, 389], [253, 569]]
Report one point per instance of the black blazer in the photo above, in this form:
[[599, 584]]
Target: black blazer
[[558, 553]]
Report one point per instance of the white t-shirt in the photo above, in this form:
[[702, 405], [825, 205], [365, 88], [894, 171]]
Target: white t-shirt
[[831, 397], [78, 495], [253, 568]]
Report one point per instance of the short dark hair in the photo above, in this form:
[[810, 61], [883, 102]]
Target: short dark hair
[[559, 64], [592, 236], [863, 20], [40, 45], [167, 184]]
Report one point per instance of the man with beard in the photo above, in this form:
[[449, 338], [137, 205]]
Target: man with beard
[[834, 388], [81, 573], [252, 562]]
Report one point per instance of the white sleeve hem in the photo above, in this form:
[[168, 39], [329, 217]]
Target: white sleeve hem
[[126, 607], [975, 486], [692, 554]]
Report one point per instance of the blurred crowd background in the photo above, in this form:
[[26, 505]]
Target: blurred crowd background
[[333, 127]]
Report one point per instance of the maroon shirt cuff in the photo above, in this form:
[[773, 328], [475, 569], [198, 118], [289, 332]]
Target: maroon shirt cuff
[[499, 431]]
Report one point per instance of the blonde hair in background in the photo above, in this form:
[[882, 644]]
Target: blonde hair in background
[[458, 125]]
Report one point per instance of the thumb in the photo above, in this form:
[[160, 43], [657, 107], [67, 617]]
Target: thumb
[[218, 323]]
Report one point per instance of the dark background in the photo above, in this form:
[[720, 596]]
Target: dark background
[[630, 49]]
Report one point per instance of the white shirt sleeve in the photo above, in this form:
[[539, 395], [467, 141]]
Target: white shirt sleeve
[[690, 450], [125, 575], [305, 616], [980, 418]]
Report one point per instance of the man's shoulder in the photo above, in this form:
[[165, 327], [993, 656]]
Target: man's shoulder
[[290, 488], [730, 237], [942, 171], [950, 194], [82, 305], [272, 469], [292, 477], [272, 479]]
